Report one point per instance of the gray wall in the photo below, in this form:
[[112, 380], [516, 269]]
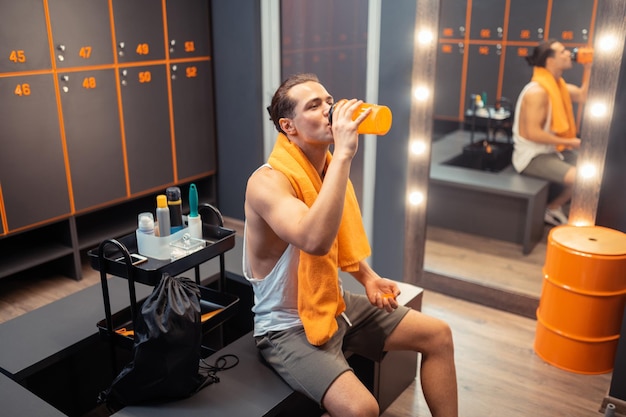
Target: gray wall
[[396, 62], [239, 105]]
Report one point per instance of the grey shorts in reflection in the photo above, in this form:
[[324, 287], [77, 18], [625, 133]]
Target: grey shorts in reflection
[[550, 166], [312, 369]]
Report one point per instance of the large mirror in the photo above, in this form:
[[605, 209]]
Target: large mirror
[[478, 266]]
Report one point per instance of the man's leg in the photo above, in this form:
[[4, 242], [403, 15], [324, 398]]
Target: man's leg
[[568, 188], [433, 339], [347, 396]]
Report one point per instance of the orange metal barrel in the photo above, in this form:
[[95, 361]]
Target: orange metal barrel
[[582, 298]]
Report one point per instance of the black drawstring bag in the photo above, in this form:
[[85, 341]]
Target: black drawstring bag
[[166, 350]]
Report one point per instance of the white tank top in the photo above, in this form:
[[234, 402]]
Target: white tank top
[[524, 149], [275, 295]]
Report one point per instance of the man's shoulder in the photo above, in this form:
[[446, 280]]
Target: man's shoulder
[[266, 181], [534, 91], [536, 88]]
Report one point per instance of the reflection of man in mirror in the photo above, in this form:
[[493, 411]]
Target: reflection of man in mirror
[[544, 129]]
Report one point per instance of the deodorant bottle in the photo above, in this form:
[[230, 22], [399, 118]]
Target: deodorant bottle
[[175, 205], [145, 223], [163, 215]]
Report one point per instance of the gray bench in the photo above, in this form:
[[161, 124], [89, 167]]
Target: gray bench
[[502, 205]]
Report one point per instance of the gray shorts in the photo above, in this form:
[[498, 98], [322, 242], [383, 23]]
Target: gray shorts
[[312, 369], [551, 167]]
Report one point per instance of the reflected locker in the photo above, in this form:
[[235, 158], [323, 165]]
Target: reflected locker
[[487, 20], [32, 168], [450, 52], [483, 66], [527, 21], [452, 19], [517, 72], [570, 20], [448, 79]]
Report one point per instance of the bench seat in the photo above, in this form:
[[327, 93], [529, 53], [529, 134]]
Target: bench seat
[[501, 205]]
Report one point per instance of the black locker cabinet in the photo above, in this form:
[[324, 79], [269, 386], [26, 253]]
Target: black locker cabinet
[[192, 95], [24, 37], [483, 68], [527, 21], [81, 32], [450, 55], [517, 72], [487, 20], [571, 20], [147, 127], [448, 79], [192, 88], [135, 42], [32, 166], [93, 136], [483, 61], [188, 29], [452, 17]]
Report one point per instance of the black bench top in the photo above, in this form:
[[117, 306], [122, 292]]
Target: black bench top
[[43, 336]]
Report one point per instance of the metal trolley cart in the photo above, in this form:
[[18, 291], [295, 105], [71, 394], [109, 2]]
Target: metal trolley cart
[[113, 256]]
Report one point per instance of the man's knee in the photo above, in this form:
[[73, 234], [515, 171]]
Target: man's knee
[[570, 177], [441, 340]]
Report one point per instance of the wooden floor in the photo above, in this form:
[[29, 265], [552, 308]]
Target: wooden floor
[[498, 372], [486, 261]]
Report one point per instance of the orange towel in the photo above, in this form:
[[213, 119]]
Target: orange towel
[[563, 123], [319, 296]]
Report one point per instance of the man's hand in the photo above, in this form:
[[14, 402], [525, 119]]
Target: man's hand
[[382, 293], [344, 128]]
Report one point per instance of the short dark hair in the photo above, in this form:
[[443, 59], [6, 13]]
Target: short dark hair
[[541, 53], [282, 105]]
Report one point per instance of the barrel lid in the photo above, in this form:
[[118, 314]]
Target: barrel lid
[[596, 240]]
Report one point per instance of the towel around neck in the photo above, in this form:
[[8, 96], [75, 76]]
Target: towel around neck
[[319, 297]]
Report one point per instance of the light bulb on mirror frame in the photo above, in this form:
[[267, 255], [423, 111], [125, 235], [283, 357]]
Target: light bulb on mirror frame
[[598, 110], [421, 93], [606, 43], [588, 171], [418, 147], [425, 36], [416, 198]]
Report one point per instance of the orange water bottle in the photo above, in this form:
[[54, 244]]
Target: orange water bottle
[[378, 122], [582, 55]]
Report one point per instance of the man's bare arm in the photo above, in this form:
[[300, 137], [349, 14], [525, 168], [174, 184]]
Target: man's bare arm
[[533, 115]]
